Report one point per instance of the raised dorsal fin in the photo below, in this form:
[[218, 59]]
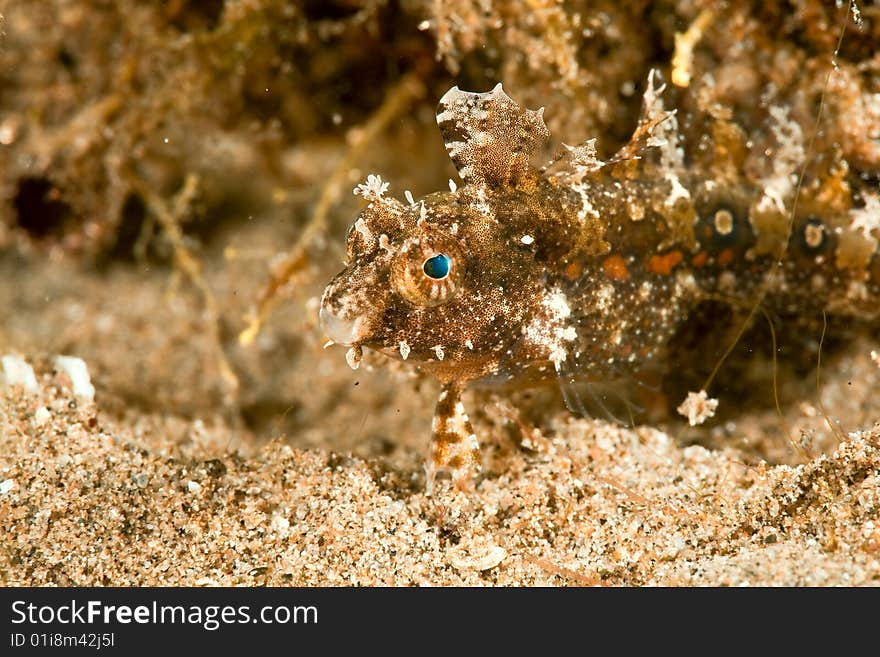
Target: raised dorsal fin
[[657, 129], [573, 164], [489, 137]]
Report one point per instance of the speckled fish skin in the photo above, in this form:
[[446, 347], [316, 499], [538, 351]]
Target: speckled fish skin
[[584, 265]]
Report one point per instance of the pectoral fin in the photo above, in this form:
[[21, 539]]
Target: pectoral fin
[[454, 446]]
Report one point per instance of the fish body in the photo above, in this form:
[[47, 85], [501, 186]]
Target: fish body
[[530, 271]]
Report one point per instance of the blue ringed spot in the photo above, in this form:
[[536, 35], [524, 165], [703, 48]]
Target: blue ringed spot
[[437, 267]]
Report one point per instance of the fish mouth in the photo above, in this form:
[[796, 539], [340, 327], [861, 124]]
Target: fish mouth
[[341, 329]]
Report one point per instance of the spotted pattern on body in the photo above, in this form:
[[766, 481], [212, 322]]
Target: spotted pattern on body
[[529, 271]]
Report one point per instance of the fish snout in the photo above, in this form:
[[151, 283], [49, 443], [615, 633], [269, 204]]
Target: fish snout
[[340, 319]]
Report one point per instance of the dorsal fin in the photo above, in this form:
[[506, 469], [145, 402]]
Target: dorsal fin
[[657, 131], [574, 163], [657, 128], [489, 137]]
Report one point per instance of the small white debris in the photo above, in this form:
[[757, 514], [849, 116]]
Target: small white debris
[[207, 581], [372, 189], [695, 454], [698, 407], [16, 372], [6, 486], [280, 523], [409, 197], [452, 186], [329, 343], [487, 556], [678, 191], [875, 356], [438, 350], [76, 369], [361, 226], [385, 244], [41, 416], [469, 344], [527, 239], [424, 25], [404, 349], [194, 487], [353, 357]]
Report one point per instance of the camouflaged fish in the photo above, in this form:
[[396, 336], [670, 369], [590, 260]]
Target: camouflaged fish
[[582, 265]]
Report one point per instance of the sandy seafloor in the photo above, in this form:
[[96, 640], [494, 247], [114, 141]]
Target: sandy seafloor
[[120, 492]]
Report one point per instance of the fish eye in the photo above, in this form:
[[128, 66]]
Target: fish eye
[[429, 271], [437, 267]]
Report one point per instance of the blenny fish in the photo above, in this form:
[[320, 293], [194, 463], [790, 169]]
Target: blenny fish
[[530, 271]]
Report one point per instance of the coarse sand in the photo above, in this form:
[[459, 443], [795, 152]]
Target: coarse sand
[[88, 499]]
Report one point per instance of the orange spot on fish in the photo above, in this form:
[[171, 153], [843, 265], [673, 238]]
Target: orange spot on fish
[[664, 264], [700, 259], [615, 268], [573, 271], [725, 257]]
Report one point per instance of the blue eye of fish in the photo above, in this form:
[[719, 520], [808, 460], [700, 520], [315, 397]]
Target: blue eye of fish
[[437, 267]]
